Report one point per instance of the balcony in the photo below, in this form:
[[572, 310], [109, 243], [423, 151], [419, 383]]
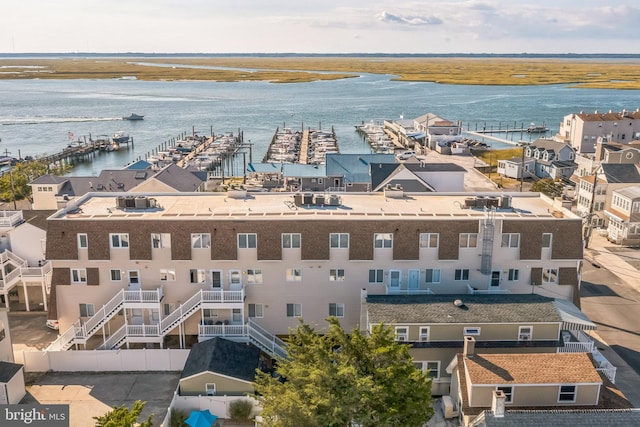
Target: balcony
[[225, 331], [404, 290], [579, 342]]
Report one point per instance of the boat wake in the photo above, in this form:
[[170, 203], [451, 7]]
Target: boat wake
[[43, 120]]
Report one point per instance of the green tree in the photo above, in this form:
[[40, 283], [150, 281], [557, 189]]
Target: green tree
[[17, 180], [121, 416], [340, 378], [549, 187]]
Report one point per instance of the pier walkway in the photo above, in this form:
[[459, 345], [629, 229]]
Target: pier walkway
[[304, 148]]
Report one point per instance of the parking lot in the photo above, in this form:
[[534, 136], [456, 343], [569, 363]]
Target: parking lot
[[88, 394]]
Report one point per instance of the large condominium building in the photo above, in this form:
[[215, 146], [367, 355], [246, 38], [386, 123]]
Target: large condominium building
[[171, 269], [583, 129]]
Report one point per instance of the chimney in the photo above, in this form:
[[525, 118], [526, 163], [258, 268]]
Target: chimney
[[497, 403], [469, 346]]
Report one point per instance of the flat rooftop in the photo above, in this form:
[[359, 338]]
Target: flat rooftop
[[281, 205]]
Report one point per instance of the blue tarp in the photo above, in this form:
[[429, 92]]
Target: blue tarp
[[202, 418]]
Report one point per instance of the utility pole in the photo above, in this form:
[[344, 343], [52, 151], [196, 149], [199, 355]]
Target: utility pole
[[591, 208], [522, 167]]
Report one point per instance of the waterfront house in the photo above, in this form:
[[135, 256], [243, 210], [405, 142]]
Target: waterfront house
[[624, 216], [582, 130], [553, 159]]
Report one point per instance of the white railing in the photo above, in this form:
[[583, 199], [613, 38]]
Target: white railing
[[266, 340], [603, 365], [144, 296], [10, 218], [115, 339], [37, 271], [576, 347], [10, 279], [609, 372], [143, 330], [472, 291], [176, 316], [104, 314], [207, 331], [393, 290], [218, 296]]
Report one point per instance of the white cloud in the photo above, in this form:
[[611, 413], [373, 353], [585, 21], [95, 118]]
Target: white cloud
[[411, 20]]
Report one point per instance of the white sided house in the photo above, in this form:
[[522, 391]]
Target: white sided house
[[582, 130]]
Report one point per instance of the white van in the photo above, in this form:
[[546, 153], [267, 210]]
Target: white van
[[405, 155]]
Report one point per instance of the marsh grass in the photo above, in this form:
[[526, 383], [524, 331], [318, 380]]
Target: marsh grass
[[464, 71]]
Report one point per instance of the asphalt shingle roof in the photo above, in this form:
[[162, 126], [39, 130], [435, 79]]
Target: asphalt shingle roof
[[218, 355], [565, 418], [621, 172], [421, 309], [8, 370]]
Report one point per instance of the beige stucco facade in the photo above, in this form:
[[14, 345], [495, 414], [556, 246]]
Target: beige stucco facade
[[224, 385]]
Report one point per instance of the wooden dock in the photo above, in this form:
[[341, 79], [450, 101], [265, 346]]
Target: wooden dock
[[304, 147]]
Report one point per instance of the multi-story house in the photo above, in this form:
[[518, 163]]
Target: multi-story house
[[543, 158], [582, 130], [607, 151], [435, 129], [177, 267], [592, 202], [624, 216], [435, 326]]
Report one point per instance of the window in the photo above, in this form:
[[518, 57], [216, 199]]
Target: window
[[508, 393], [235, 278], [336, 310], [254, 275], [339, 240], [167, 275], [197, 276], [514, 273], [119, 240], [376, 276], [336, 275], [468, 240], [510, 240], [291, 240], [216, 278], [78, 275], [116, 275], [525, 333], [431, 368], [424, 333], [168, 308], [429, 240], [294, 310], [236, 315], [210, 389], [382, 240], [432, 275], [546, 240], [256, 310], [83, 241], [200, 240], [461, 274], [160, 240], [294, 275], [209, 313], [472, 331], [247, 241], [549, 275], [567, 393], [87, 310], [402, 333]]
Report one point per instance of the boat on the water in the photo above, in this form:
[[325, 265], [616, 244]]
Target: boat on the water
[[120, 138], [537, 128], [133, 116]]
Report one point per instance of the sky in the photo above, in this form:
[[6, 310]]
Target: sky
[[324, 26]]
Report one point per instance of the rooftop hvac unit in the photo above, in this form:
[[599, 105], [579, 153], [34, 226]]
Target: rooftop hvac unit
[[505, 202], [481, 202], [297, 199], [120, 203], [449, 408], [319, 199], [470, 202], [141, 202], [492, 202], [307, 199], [334, 200], [129, 202]]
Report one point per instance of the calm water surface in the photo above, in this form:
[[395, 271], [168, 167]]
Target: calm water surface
[[37, 115]]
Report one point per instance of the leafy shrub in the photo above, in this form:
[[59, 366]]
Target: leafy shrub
[[240, 409]]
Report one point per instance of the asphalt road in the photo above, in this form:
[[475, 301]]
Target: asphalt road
[[615, 308]]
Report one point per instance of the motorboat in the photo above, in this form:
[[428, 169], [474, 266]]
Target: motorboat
[[133, 116]]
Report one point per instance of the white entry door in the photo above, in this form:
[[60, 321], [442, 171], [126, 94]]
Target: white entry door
[[235, 279], [134, 279]]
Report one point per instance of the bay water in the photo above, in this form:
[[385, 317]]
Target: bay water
[[37, 116]]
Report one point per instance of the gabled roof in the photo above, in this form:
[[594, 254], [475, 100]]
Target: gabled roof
[[37, 218], [549, 145], [49, 179], [221, 356], [423, 309], [354, 167], [632, 192], [434, 167], [616, 173], [380, 172], [531, 368], [180, 179], [296, 170]]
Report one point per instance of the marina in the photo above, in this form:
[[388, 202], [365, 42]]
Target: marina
[[302, 147]]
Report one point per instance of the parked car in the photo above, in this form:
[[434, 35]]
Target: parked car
[[405, 155], [53, 324]]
